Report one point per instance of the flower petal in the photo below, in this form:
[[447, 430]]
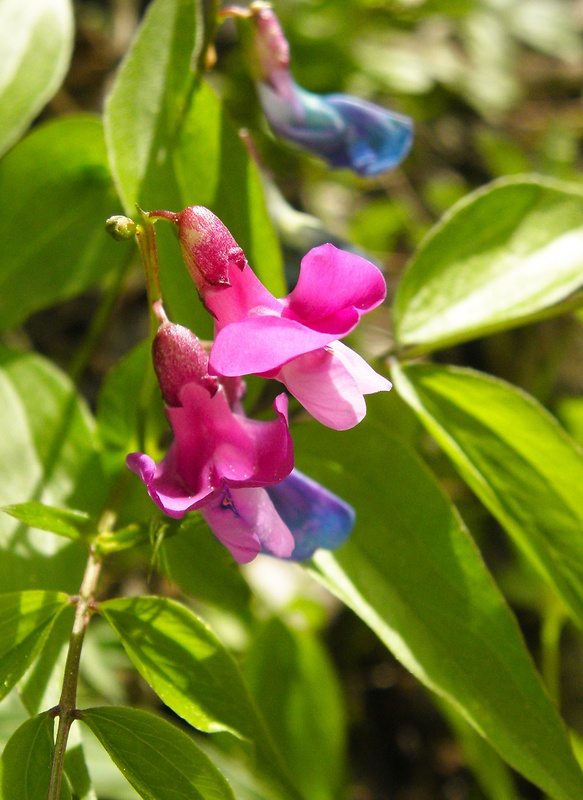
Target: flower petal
[[261, 344], [331, 283], [377, 139], [316, 517], [246, 522], [165, 486], [367, 380], [326, 388]]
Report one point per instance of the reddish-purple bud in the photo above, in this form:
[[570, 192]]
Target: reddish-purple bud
[[179, 358], [208, 248]]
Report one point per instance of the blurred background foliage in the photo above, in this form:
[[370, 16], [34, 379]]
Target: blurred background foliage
[[494, 87]]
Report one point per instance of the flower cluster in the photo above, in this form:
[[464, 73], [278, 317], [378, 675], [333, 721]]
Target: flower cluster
[[345, 131], [238, 471]]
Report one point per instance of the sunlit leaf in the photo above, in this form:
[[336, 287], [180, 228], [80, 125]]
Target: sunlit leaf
[[414, 575], [25, 621], [501, 256], [516, 458], [49, 455], [36, 42], [160, 761], [63, 521], [190, 670], [55, 195]]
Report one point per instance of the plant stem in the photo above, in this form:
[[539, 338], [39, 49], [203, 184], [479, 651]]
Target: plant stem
[[67, 704], [146, 236]]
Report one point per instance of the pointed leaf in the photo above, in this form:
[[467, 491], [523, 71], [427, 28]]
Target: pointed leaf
[[191, 671], [497, 259], [414, 575], [36, 42], [157, 759], [55, 194], [63, 521], [25, 621], [516, 458], [25, 767]]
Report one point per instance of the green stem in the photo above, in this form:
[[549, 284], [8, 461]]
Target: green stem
[[146, 235], [67, 711]]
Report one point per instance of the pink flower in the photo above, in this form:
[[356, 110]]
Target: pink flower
[[220, 460], [296, 339]]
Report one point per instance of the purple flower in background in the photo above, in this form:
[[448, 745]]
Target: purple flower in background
[[221, 462], [343, 130], [294, 340]]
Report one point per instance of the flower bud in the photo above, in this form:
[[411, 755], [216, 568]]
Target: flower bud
[[179, 358], [120, 227]]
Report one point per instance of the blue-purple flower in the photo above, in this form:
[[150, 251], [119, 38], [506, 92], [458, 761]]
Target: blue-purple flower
[[345, 131]]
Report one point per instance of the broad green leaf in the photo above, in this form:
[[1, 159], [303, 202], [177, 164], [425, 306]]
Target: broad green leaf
[[25, 767], [500, 257], [55, 195], [49, 455], [65, 522], [160, 761], [516, 458], [25, 621], [42, 684], [36, 42], [191, 671], [414, 575], [296, 688], [148, 99]]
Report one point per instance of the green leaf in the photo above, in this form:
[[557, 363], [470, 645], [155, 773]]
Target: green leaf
[[55, 195], [25, 621], [36, 42], [485, 266], [212, 576], [516, 458], [172, 146], [26, 761], [49, 455], [76, 768], [149, 97], [157, 759], [63, 521], [186, 665], [298, 692], [414, 575]]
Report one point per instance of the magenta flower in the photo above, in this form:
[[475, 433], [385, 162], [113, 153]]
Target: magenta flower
[[296, 339], [220, 460], [345, 131]]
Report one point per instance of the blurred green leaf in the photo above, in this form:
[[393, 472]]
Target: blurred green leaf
[[516, 458], [55, 194], [550, 26], [41, 686], [63, 521], [25, 767], [414, 575], [158, 760], [202, 567], [296, 688], [49, 455], [25, 621], [36, 42], [76, 767], [485, 265], [190, 670]]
